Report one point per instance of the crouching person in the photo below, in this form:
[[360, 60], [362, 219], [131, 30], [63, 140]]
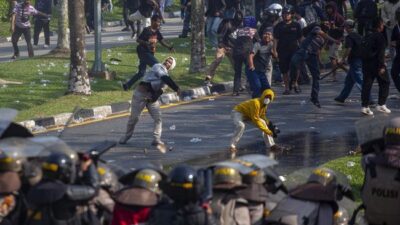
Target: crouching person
[[254, 110], [146, 95]]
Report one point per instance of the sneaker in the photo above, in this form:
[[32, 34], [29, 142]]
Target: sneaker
[[124, 86], [286, 92], [123, 140], [45, 46], [367, 111], [126, 29], [235, 93], [14, 57], [338, 100], [383, 108], [157, 142], [297, 89], [276, 149]]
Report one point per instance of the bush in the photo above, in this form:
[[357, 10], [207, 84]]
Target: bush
[[4, 10]]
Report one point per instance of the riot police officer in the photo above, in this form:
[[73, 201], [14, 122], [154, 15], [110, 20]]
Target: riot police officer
[[228, 207], [134, 202], [64, 187], [256, 195], [314, 202], [184, 187], [12, 206]]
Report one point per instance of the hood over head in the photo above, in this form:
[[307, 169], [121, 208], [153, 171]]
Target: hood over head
[[269, 93]]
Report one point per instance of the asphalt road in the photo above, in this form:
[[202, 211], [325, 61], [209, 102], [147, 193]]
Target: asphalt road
[[111, 38], [200, 132]]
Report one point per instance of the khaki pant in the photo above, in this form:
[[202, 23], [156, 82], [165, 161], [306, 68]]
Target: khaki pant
[[138, 16], [240, 125], [140, 99], [219, 56]]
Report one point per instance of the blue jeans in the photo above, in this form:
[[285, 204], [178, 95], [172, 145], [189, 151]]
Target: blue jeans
[[258, 82], [146, 58], [353, 4], [354, 76], [212, 28]]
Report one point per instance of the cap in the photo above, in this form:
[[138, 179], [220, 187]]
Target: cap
[[349, 23], [268, 30], [173, 64]]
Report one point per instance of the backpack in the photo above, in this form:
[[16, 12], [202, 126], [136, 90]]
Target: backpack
[[380, 193], [291, 211], [366, 48], [357, 40], [169, 214], [223, 206]]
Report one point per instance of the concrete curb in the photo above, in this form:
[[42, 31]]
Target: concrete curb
[[102, 112]]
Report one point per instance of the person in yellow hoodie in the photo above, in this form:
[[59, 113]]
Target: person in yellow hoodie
[[254, 110]]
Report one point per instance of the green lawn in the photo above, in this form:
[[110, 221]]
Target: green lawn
[[351, 167], [44, 78]]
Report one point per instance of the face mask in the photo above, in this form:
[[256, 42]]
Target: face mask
[[267, 101]]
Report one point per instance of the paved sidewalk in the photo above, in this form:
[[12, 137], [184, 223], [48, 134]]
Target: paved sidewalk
[[111, 38]]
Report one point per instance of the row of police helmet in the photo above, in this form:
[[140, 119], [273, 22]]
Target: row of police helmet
[[248, 180]]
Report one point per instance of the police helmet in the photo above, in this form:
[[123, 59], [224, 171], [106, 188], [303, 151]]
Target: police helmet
[[59, 166], [254, 177], [323, 176], [226, 177], [148, 179], [275, 9], [10, 164], [182, 184], [391, 133], [288, 9], [108, 179]]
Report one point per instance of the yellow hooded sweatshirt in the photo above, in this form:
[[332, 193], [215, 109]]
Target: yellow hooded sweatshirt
[[255, 110]]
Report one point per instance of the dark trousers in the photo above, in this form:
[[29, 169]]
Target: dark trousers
[[39, 24], [186, 22], [363, 27], [258, 82], [313, 65], [125, 13], [370, 72], [238, 60], [27, 35], [395, 72], [146, 59], [312, 62]]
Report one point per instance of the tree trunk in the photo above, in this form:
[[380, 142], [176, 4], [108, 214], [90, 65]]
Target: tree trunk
[[79, 82], [63, 30], [198, 54]]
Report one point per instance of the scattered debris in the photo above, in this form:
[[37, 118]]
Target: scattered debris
[[351, 164], [195, 140], [173, 127]]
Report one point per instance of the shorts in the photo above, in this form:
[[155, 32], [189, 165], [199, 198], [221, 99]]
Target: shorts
[[333, 51], [284, 60]]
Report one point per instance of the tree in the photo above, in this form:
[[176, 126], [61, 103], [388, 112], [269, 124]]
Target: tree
[[63, 31], [79, 82], [198, 54]]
